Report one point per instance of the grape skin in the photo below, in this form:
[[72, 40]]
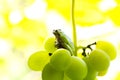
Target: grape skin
[[99, 60], [77, 70], [61, 59], [38, 60], [108, 47], [92, 73], [49, 44], [66, 77], [102, 73], [50, 73]]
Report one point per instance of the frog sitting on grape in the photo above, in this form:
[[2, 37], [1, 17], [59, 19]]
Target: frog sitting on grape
[[58, 62]]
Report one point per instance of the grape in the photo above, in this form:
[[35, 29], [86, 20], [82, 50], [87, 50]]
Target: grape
[[50, 73], [49, 44], [66, 77], [99, 60], [77, 70], [92, 73], [96, 78], [61, 59], [108, 48], [102, 73], [38, 60]]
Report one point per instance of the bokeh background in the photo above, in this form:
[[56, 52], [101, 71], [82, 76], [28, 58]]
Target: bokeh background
[[25, 24]]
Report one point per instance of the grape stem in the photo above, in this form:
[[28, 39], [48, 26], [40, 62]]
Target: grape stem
[[88, 46], [74, 28], [84, 48]]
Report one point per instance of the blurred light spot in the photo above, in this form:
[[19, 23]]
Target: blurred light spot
[[5, 47], [37, 10], [15, 17], [107, 4]]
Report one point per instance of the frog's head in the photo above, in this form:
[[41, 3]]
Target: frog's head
[[57, 32]]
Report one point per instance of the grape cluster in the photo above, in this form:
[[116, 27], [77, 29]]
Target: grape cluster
[[58, 62]]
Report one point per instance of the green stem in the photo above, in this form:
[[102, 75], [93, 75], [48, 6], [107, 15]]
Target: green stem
[[80, 47], [88, 46], [74, 28]]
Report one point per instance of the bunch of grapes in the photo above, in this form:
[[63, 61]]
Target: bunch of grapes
[[58, 60]]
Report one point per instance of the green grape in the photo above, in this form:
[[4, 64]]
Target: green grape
[[96, 78], [77, 70], [99, 60], [66, 77], [49, 44], [61, 59], [102, 73], [50, 73], [92, 73], [38, 60], [108, 47]]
